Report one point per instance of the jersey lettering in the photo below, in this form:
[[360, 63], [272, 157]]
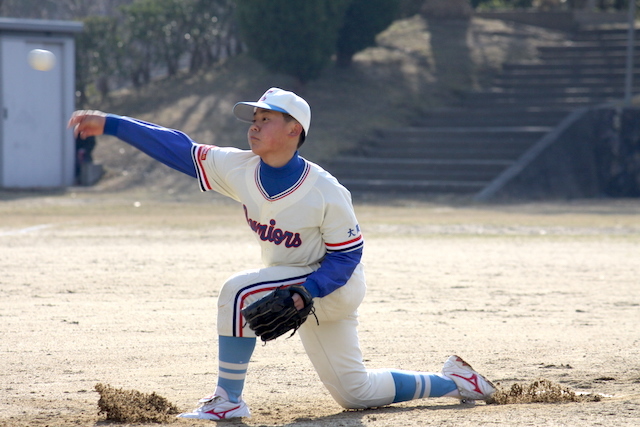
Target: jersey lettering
[[269, 232]]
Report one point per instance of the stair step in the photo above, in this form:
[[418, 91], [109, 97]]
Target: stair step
[[455, 112], [455, 139], [614, 60], [611, 40], [602, 34], [547, 93], [475, 120], [578, 72], [522, 110], [576, 63], [576, 55], [561, 82], [486, 118], [430, 186], [520, 101], [434, 156], [507, 151], [464, 173], [567, 72], [595, 47], [422, 132], [413, 163], [551, 91], [460, 137]]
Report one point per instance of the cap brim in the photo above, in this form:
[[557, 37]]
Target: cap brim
[[244, 110]]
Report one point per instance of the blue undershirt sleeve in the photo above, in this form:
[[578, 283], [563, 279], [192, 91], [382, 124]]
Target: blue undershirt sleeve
[[335, 270], [168, 146]]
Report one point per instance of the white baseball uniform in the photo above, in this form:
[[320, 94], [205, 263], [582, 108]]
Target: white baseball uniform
[[295, 229], [308, 233]]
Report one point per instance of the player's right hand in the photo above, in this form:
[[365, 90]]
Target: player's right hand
[[87, 123]]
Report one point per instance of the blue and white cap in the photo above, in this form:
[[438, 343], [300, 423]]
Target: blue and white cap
[[278, 100]]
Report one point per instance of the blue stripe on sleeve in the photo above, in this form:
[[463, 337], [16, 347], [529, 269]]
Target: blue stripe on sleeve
[[335, 270], [169, 146]]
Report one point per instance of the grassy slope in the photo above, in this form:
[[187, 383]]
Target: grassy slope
[[416, 66]]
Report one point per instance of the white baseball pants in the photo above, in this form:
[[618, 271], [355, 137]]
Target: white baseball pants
[[332, 345]]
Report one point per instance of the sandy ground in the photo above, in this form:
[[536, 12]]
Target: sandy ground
[[121, 290]]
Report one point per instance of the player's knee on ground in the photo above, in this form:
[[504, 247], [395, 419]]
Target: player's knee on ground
[[377, 389]]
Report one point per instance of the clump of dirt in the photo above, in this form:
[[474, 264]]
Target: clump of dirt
[[539, 391], [132, 406]]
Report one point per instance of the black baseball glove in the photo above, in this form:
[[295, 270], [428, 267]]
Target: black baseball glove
[[275, 314]]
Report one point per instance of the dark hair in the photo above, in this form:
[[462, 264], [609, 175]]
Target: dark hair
[[288, 117]]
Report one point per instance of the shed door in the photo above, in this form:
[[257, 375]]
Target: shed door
[[33, 127]]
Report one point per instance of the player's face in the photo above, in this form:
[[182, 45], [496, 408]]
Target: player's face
[[270, 137]]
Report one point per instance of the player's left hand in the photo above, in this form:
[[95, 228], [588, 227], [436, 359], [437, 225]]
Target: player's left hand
[[298, 302]]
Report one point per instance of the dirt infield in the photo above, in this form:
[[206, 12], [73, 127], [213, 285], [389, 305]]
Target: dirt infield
[[121, 290]]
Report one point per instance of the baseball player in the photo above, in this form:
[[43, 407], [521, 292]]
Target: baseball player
[[304, 222]]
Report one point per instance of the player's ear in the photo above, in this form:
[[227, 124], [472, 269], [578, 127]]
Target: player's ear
[[296, 129]]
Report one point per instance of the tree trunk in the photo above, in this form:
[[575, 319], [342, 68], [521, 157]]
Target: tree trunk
[[447, 9]]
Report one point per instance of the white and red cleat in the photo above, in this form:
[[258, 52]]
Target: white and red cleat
[[471, 385], [218, 408]]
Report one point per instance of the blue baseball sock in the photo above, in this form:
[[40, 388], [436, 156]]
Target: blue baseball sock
[[234, 354], [416, 385]]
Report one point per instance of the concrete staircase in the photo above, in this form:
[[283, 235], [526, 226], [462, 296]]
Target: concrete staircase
[[461, 150]]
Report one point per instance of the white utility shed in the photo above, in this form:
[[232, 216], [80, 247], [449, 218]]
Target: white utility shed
[[36, 148]]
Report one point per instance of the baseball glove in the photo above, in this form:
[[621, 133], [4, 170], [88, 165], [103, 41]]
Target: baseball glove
[[274, 314]]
